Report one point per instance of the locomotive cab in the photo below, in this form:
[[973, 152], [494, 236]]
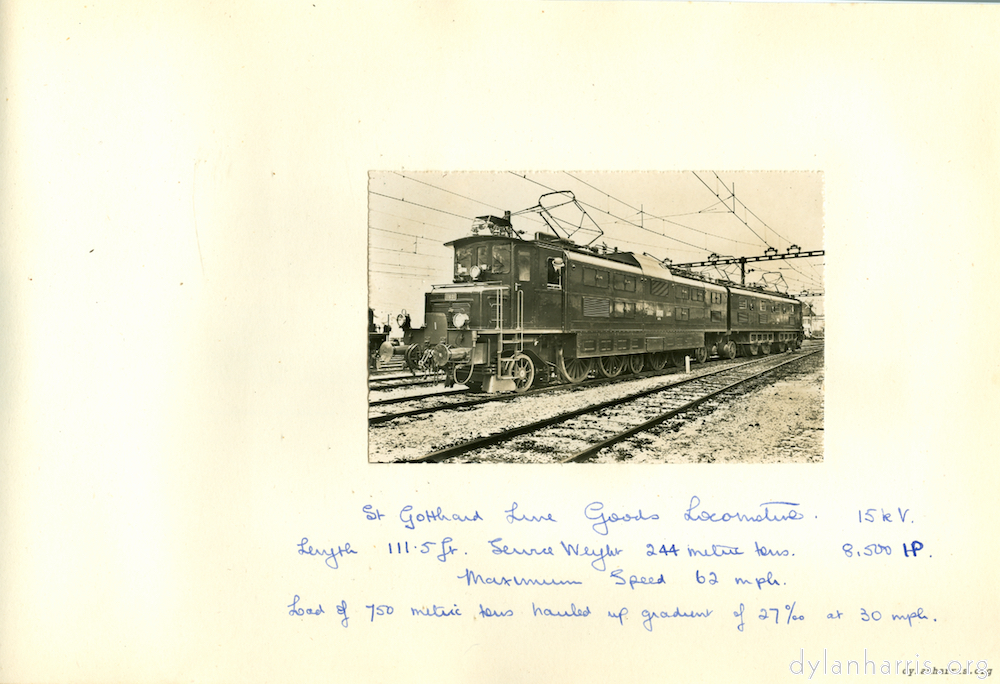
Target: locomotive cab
[[505, 295]]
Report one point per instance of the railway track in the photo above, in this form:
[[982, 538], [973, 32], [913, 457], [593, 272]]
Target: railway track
[[582, 433], [424, 402], [398, 381]]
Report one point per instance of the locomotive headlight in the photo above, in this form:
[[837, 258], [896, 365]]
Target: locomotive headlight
[[474, 272], [460, 319]]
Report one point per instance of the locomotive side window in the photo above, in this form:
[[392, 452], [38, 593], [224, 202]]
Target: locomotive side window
[[624, 282], [682, 293], [683, 314], [501, 259], [624, 309], [595, 278], [523, 265], [554, 272], [697, 295]]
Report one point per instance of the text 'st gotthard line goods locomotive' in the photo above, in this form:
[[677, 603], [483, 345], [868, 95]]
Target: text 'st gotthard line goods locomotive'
[[521, 311]]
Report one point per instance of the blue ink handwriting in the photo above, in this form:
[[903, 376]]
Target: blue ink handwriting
[[487, 612], [593, 511], [381, 610], [513, 517], [599, 554], [436, 611], [472, 578], [620, 615], [331, 554], [705, 516], [649, 615], [372, 513], [634, 580], [514, 551], [296, 611], [407, 517], [572, 612], [717, 550]]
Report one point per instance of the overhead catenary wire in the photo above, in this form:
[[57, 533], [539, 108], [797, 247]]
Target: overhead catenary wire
[[664, 218], [419, 254], [423, 206], [450, 192], [737, 199], [804, 278], [620, 218], [731, 211], [412, 220]]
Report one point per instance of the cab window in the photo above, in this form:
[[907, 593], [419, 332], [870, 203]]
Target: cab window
[[554, 267], [482, 257], [501, 259], [523, 265], [463, 260]]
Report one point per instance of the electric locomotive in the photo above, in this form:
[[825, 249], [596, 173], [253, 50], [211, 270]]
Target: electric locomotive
[[522, 312]]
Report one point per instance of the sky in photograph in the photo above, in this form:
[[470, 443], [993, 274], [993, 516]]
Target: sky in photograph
[[681, 216]]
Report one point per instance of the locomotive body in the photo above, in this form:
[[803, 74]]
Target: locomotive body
[[521, 312]]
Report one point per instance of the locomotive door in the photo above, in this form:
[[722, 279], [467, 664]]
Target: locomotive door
[[543, 280]]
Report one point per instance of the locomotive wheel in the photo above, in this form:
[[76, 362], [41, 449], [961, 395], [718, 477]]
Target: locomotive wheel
[[765, 348], [678, 357], [412, 357], [658, 360], [636, 362], [701, 355], [460, 376], [782, 347], [753, 349], [523, 371], [610, 366], [727, 351], [572, 370]]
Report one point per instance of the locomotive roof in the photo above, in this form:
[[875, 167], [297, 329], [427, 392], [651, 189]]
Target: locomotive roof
[[628, 262]]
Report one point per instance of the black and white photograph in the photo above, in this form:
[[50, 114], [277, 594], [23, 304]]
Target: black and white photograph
[[613, 317]]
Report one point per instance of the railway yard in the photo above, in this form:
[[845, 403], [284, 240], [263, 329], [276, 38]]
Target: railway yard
[[766, 409]]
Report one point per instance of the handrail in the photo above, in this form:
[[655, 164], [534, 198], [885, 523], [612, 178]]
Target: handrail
[[484, 284]]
